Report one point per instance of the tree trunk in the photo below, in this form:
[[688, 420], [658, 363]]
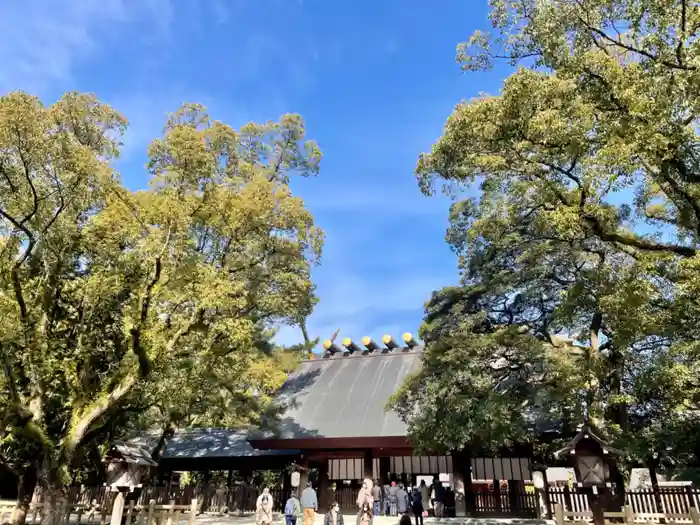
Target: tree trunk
[[55, 508], [54, 498], [653, 464], [157, 452], [25, 493], [167, 433]]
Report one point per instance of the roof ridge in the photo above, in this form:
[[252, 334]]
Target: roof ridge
[[383, 352]]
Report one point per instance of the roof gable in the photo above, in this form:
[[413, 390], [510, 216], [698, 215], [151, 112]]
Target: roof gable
[[343, 395]]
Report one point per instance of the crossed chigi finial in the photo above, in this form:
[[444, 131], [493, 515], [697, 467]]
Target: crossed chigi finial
[[370, 346]]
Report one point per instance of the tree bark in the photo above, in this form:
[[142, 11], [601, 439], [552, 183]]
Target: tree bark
[[55, 501], [168, 433], [53, 494], [25, 493]]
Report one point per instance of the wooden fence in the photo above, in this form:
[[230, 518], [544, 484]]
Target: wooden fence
[[503, 503], [119, 512], [646, 505], [627, 516], [241, 499]]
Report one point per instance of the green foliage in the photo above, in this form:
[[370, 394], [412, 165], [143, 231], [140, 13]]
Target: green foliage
[[586, 228], [122, 308], [219, 479]]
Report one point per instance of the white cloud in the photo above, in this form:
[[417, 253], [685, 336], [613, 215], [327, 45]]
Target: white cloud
[[43, 41]]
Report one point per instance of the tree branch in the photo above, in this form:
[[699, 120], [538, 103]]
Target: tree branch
[[634, 241], [137, 348], [681, 37], [633, 49], [77, 434]]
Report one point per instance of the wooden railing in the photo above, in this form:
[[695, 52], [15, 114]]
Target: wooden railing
[[502, 502], [646, 505], [117, 512], [627, 516], [240, 499]]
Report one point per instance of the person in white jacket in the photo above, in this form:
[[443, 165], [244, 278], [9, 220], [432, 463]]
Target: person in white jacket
[[365, 502], [263, 508]]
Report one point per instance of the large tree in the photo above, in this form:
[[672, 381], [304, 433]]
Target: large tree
[[586, 225], [114, 300]]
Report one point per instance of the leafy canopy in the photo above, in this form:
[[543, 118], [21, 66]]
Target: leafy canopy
[[114, 300], [580, 251]]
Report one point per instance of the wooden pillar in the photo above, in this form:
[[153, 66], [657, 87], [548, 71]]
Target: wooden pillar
[[543, 501], [516, 491], [497, 494], [206, 498], [384, 466], [303, 474], [230, 503], [249, 492], [367, 464], [287, 484], [324, 486], [461, 475], [568, 506]]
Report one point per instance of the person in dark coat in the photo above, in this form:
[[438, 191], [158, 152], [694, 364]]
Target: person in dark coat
[[417, 506], [438, 498]]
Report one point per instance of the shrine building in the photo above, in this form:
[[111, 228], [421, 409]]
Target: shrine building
[[333, 421]]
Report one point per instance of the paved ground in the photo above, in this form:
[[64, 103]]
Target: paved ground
[[278, 519], [213, 519]]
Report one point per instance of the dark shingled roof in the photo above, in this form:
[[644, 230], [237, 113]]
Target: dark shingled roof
[[206, 443], [130, 453], [343, 396]]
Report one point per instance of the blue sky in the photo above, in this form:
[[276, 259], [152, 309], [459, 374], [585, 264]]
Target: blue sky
[[374, 79]]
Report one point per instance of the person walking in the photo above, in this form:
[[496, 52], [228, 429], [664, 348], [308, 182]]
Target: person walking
[[377, 498], [263, 508], [393, 498], [309, 502], [385, 499], [438, 498], [334, 517], [402, 500], [417, 506], [425, 494], [292, 510]]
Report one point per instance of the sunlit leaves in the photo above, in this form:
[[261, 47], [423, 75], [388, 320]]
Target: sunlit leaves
[[159, 303], [586, 166]]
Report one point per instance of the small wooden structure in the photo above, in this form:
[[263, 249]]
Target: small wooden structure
[[592, 456], [592, 464], [126, 464]]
